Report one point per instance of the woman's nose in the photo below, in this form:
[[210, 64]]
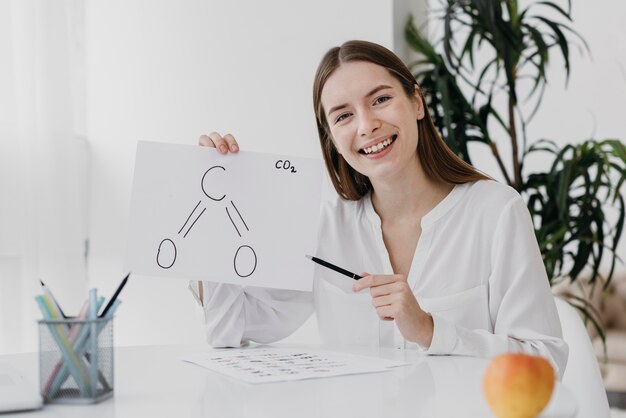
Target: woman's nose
[[368, 123]]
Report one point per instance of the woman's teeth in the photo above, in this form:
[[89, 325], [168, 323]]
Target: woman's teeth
[[375, 149]]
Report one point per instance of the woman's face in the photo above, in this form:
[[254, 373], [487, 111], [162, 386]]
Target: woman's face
[[372, 121]]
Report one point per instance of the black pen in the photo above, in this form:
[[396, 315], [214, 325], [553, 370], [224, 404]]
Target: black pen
[[115, 295], [334, 267]]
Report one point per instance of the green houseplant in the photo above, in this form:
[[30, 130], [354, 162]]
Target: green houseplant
[[478, 100]]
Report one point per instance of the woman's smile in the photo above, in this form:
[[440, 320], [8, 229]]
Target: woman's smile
[[379, 147]]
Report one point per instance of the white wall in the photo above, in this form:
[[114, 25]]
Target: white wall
[[43, 162], [170, 71]]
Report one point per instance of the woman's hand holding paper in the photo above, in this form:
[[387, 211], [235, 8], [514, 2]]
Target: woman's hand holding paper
[[223, 144], [394, 301]]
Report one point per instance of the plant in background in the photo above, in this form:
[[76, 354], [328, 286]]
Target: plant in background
[[477, 100]]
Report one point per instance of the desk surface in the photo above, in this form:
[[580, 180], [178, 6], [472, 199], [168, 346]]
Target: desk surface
[[152, 381]]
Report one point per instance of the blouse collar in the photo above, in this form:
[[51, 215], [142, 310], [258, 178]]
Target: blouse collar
[[431, 217]]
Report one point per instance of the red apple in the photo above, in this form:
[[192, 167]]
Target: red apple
[[518, 385]]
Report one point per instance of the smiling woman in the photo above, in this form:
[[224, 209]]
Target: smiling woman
[[373, 113], [392, 81], [436, 234]]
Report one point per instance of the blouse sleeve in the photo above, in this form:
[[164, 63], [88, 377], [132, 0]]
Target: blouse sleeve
[[521, 305], [234, 315]]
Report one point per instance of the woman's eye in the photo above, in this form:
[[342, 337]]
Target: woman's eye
[[382, 99], [341, 117]]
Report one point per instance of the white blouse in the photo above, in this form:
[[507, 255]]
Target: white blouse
[[477, 270]]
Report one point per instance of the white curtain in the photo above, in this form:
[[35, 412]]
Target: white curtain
[[43, 163]]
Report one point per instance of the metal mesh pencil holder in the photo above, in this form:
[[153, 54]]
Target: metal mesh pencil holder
[[76, 360]]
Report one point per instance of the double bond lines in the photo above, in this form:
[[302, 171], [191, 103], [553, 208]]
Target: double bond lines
[[189, 217], [240, 217]]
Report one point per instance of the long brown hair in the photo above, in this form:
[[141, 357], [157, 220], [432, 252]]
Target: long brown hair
[[437, 160]]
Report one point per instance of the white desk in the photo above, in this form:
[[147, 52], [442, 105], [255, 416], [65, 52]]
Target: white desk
[[152, 381]]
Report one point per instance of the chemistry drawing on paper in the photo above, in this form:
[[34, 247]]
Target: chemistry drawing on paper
[[245, 218], [167, 251]]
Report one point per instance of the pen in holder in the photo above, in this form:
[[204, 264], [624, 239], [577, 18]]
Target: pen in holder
[[76, 360]]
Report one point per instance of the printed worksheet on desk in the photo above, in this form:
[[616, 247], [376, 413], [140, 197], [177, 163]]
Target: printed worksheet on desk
[[247, 218], [272, 364]]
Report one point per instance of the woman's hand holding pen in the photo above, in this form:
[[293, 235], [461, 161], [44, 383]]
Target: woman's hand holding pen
[[394, 301], [224, 144]]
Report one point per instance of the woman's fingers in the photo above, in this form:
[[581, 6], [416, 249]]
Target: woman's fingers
[[231, 143], [389, 288], [205, 141], [386, 313], [219, 141], [393, 300], [385, 300], [371, 281], [224, 144]]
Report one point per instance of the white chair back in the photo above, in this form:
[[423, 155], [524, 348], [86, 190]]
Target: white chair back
[[582, 374]]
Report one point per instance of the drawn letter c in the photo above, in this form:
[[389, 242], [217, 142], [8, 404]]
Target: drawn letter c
[[204, 190]]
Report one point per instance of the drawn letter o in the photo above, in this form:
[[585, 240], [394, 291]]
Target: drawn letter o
[[205, 187], [245, 261], [166, 254]]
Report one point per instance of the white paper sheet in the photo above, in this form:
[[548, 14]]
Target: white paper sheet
[[266, 365], [246, 218]]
